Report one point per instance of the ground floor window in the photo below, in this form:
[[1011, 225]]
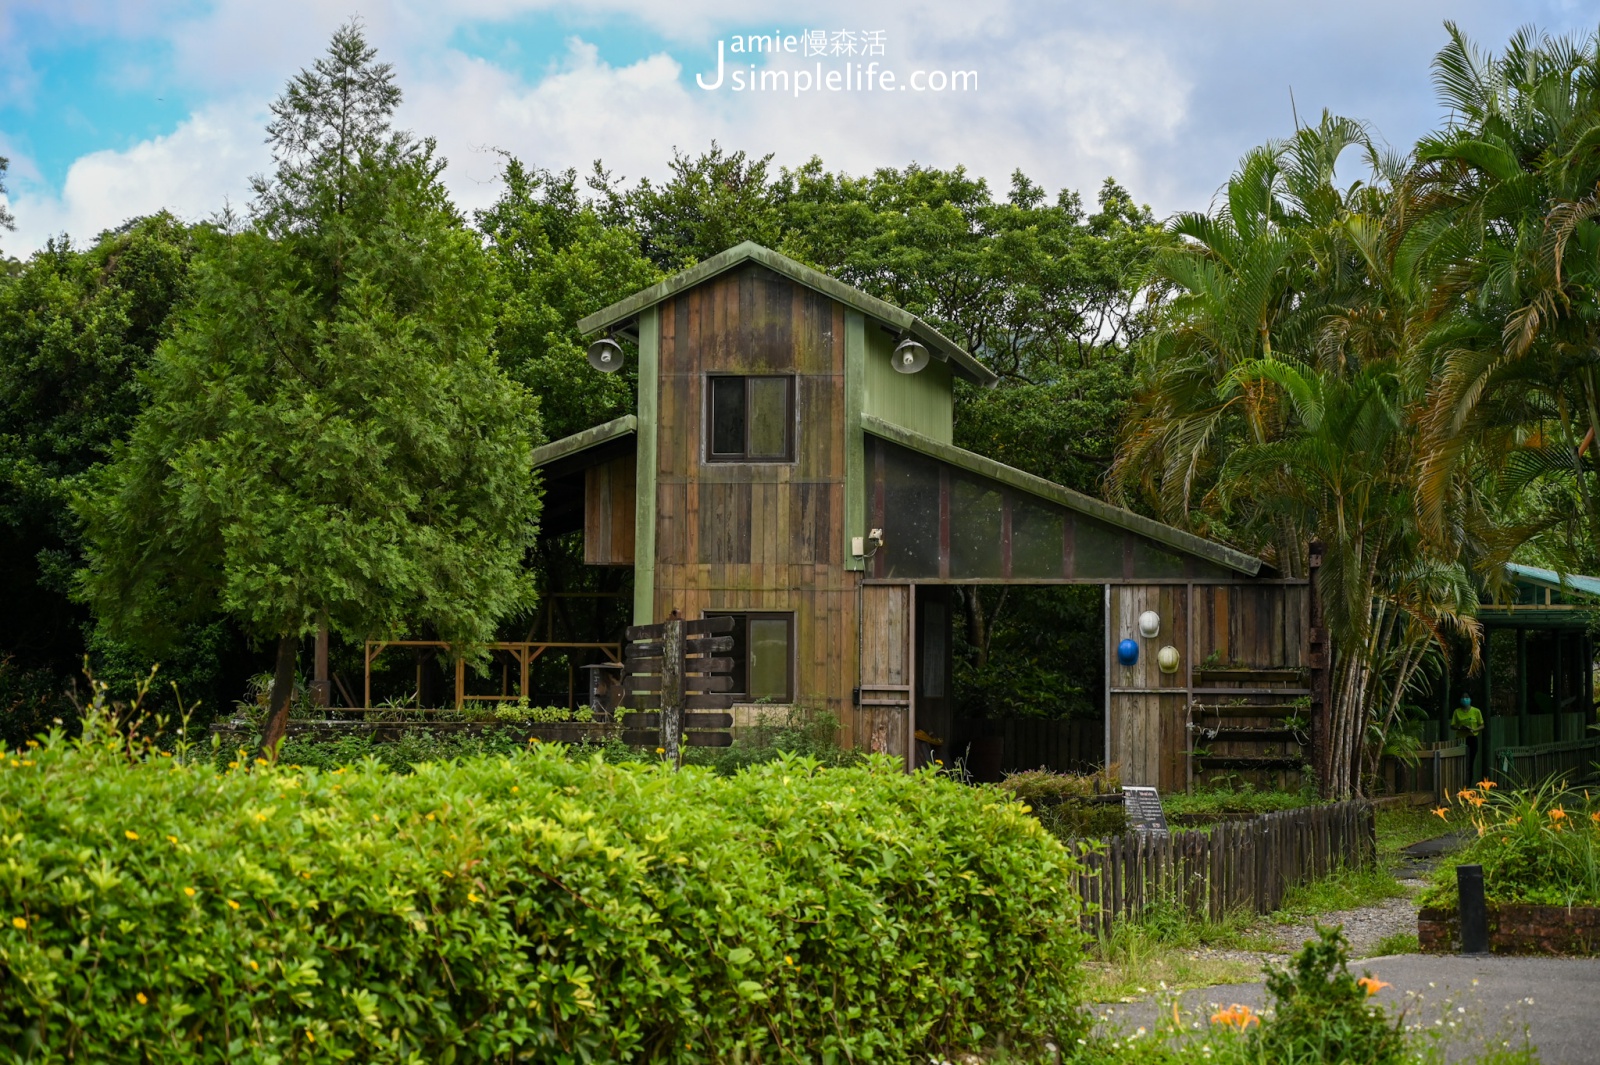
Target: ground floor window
[[763, 655]]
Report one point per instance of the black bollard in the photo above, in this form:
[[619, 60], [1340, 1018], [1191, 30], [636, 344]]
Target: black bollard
[[1474, 911]]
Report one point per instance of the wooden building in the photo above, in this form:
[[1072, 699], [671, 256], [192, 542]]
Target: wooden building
[[783, 469]]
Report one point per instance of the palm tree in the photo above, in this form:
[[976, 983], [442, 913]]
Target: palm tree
[[1501, 222]]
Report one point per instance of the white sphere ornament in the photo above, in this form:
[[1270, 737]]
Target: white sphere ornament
[[1167, 659], [1149, 624]]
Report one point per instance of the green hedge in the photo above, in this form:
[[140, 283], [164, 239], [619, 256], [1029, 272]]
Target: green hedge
[[529, 907]]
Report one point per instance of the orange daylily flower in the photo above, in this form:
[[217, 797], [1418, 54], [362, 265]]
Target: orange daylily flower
[[1443, 813], [1557, 813], [1486, 785], [1236, 1016], [1372, 985], [1465, 793], [1595, 817]]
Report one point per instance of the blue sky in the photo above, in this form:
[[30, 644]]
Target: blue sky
[[109, 109]]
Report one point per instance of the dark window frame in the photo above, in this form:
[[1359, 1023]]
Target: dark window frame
[[744, 456], [741, 651]]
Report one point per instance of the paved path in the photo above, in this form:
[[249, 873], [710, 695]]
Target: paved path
[[1474, 1002]]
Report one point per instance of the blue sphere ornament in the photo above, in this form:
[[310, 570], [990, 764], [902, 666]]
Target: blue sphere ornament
[[1128, 652]]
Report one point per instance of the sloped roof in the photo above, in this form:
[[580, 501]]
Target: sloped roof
[[941, 346], [594, 437], [1549, 578], [1188, 543]]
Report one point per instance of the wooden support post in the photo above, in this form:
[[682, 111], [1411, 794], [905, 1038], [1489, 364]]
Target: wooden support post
[[672, 690], [461, 683], [320, 688]]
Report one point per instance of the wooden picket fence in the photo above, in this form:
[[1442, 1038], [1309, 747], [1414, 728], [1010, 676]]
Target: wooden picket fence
[[1236, 865]]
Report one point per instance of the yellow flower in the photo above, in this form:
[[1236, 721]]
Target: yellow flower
[[514, 788], [254, 967], [233, 765], [261, 761], [19, 922], [142, 1000], [232, 905], [261, 817], [309, 1037], [172, 839], [430, 817], [472, 896], [1443, 812], [661, 750], [1372, 986], [1236, 1016], [189, 891], [131, 834], [788, 960], [448, 873], [33, 743]]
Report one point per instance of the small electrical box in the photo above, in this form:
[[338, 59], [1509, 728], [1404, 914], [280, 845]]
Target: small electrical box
[[858, 546]]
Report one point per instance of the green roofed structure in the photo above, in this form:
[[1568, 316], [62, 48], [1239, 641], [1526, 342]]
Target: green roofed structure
[[792, 464]]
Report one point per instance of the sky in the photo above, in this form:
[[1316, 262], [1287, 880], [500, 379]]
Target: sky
[[111, 109]]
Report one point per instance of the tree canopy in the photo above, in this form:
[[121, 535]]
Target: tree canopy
[[328, 434]]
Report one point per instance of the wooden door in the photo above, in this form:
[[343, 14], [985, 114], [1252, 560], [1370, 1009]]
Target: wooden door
[[884, 719], [933, 710]]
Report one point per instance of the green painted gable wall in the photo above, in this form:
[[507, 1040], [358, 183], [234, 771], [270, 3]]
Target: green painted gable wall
[[922, 402]]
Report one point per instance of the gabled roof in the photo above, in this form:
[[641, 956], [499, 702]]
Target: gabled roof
[[1556, 582], [1188, 543], [941, 346]]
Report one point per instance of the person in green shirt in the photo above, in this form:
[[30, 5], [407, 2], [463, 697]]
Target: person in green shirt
[[1467, 722]]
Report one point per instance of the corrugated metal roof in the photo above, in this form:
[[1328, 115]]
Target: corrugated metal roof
[[1557, 581]]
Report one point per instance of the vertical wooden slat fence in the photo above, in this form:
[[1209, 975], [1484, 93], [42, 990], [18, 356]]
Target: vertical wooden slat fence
[[1237, 865]]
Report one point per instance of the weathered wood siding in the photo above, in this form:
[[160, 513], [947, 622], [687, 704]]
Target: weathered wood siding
[[759, 536], [1242, 665], [883, 722], [608, 524], [1147, 731]]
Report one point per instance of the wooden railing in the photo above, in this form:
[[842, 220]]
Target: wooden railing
[[1238, 865], [1575, 760]]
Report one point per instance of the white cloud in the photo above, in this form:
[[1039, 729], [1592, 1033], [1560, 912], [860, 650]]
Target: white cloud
[[192, 171]]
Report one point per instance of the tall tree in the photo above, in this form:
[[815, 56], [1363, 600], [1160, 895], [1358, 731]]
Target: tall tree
[[328, 435], [77, 326]]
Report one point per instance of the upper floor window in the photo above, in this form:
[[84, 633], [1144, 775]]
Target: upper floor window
[[749, 419]]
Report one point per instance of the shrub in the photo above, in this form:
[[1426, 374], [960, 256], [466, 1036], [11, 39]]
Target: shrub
[[531, 907], [1538, 845], [778, 732], [1322, 1014], [1065, 803]]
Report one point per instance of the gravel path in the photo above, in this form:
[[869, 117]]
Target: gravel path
[[1365, 928]]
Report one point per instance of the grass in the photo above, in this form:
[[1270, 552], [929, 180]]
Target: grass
[[1401, 826], [1398, 943], [1345, 889], [1151, 953], [1141, 957]]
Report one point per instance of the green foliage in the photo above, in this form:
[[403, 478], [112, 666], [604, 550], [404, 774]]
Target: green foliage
[[1028, 651], [327, 431], [530, 905], [1396, 943], [1538, 845], [1345, 888], [559, 261], [518, 710], [1246, 799], [1322, 1014], [778, 733], [1062, 802], [77, 326]]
